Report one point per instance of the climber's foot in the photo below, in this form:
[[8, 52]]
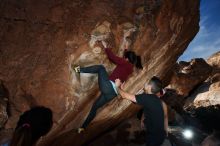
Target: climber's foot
[[76, 69], [81, 130]]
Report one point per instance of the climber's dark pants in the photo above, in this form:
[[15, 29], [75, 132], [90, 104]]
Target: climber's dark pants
[[105, 86]]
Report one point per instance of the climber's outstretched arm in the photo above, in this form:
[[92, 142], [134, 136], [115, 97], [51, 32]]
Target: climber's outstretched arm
[[111, 56], [126, 95]]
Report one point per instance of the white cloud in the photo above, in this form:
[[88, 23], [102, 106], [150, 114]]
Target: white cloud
[[198, 49], [203, 51], [217, 42], [203, 32]]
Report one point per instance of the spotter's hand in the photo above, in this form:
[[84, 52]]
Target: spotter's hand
[[122, 86], [118, 82]]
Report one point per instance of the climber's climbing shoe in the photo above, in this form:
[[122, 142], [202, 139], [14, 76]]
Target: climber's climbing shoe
[[80, 130], [77, 69]]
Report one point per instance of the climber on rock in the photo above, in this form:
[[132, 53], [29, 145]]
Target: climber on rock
[[124, 68], [155, 110]]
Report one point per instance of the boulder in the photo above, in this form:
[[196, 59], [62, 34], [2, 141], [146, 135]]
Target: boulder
[[188, 75], [40, 40]]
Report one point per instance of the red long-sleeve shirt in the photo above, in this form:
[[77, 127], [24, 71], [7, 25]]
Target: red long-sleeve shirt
[[123, 67]]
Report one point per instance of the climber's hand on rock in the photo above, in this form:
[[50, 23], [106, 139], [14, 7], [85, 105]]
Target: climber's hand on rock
[[99, 44], [105, 44]]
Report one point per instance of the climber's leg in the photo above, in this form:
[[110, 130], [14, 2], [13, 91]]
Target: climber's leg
[[103, 79], [102, 100], [98, 103]]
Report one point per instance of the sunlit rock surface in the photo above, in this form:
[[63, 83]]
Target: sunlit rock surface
[[208, 93], [185, 77], [204, 102], [214, 60], [41, 39], [193, 92], [188, 75]]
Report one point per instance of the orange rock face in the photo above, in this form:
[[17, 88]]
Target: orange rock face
[[214, 60], [41, 39], [187, 75], [208, 93]]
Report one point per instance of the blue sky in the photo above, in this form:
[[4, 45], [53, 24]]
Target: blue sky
[[207, 40]]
